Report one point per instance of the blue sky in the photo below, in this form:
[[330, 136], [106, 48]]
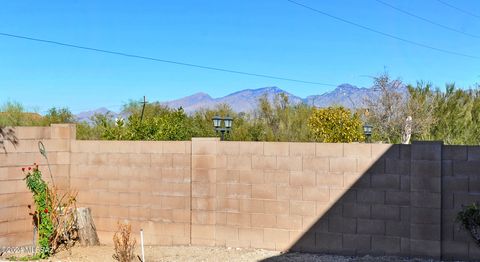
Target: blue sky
[[272, 37]]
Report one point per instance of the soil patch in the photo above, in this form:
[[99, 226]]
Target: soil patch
[[197, 254]]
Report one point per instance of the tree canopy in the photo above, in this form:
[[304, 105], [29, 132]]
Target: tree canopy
[[397, 111], [335, 124]]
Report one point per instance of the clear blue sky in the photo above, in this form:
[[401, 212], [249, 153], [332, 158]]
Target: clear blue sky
[[272, 37]]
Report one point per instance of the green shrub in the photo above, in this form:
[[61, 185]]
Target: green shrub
[[469, 218]]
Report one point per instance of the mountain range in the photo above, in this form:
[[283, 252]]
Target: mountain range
[[246, 100]]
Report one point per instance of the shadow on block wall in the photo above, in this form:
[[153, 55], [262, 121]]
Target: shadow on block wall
[[393, 208], [372, 216], [347, 199]]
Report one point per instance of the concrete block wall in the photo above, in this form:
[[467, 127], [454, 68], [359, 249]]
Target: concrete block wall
[[460, 186], [302, 196], [371, 214], [144, 182], [16, 227], [425, 199], [351, 199]]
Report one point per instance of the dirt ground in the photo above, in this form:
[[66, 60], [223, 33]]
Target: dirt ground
[[197, 254]]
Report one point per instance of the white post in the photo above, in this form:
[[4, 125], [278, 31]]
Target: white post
[[141, 243]]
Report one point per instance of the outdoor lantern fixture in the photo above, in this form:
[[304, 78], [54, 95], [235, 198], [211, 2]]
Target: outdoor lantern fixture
[[228, 122], [217, 124], [367, 131]]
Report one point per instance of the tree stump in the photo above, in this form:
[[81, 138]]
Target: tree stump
[[87, 233]]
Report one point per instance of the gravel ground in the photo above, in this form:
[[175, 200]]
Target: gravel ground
[[197, 254]]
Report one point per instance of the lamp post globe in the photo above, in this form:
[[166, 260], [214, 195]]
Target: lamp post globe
[[228, 122], [227, 125], [367, 131], [217, 121]]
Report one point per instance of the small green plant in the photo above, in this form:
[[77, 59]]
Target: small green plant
[[43, 206], [469, 218]]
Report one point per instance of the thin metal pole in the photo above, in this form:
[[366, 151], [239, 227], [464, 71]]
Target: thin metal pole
[[141, 243], [43, 152], [34, 245], [143, 108]]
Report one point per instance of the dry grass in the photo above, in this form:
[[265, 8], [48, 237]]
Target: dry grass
[[124, 243], [63, 216]]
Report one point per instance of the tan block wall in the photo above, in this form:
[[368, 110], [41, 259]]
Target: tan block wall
[[301, 196], [351, 199], [146, 183], [15, 224], [369, 213]]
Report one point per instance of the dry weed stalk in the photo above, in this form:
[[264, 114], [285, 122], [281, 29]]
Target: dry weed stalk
[[124, 243], [63, 216]]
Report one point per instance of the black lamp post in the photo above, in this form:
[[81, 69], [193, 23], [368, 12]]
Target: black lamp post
[[217, 124], [367, 131]]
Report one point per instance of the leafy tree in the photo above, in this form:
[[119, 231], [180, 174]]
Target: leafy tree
[[280, 120], [172, 124], [150, 110], [202, 125], [421, 107], [335, 125], [453, 111], [99, 128], [85, 131], [58, 115], [109, 128], [158, 123], [475, 132], [298, 129]]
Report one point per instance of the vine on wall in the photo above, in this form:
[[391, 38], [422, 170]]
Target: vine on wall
[[43, 206], [53, 214]]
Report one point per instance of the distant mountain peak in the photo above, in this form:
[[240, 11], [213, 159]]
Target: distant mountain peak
[[87, 115], [200, 95], [270, 88], [262, 90], [197, 97]]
